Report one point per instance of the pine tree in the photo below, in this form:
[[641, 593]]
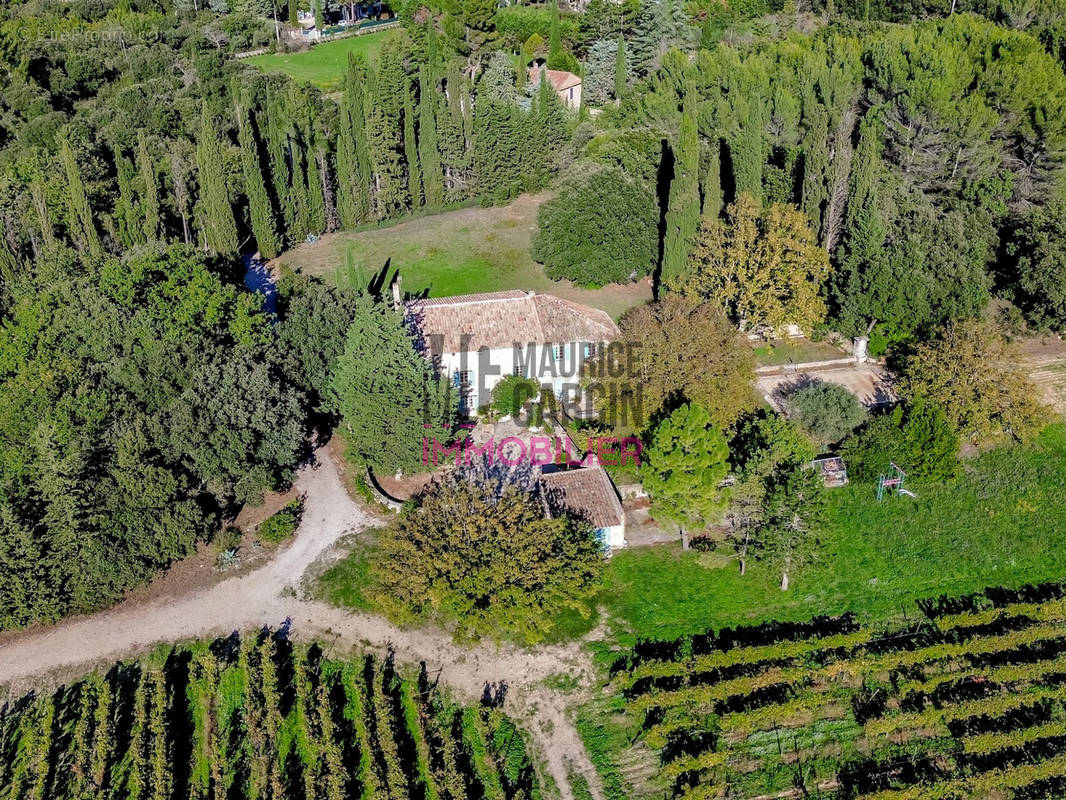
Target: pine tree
[[127, 211], [259, 208], [153, 226], [79, 212], [621, 70], [353, 160], [599, 75], [662, 24], [428, 149], [683, 211], [410, 149], [216, 213]]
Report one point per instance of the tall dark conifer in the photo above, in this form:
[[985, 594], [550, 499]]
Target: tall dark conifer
[[153, 223], [428, 149], [353, 160], [410, 149], [683, 211], [215, 212], [260, 210]]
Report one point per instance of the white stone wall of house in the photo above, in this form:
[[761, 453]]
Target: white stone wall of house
[[558, 366]]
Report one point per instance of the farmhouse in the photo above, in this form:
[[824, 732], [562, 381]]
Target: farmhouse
[[566, 84], [478, 339]]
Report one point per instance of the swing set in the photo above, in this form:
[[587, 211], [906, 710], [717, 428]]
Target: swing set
[[893, 481]]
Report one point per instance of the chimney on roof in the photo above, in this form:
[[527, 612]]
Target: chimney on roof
[[397, 296]]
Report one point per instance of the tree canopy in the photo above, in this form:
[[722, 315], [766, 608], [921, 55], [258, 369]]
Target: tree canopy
[[684, 466], [762, 265], [141, 400], [672, 351], [600, 228], [388, 395], [978, 379], [482, 554]]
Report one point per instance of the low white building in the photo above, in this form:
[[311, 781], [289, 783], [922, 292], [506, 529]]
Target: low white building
[[587, 493], [478, 339]]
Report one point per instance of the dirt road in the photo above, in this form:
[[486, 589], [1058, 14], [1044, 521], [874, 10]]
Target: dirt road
[[269, 596]]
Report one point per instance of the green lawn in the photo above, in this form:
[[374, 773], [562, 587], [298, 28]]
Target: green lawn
[[1002, 523], [781, 352], [460, 251], [324, 64]]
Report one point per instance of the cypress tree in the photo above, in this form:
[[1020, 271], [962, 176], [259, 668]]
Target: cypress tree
[[620, 70], [428, 149], [353, 160], [814, 193], [40, 202], [410, 149], [79, 212], [385, 135], [259, 208], [501, 140], [317, 207], [556, 56], [216, 213], [863, 263], [683, 211], [127, 214], [712, 181], [152, 221], [320, 17], [452, 137], [294, 21], [276, 140], [549, 131]]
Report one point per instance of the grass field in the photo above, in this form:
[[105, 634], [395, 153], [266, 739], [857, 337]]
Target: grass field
[[1002, 523], [462, 251], [324, 64], [781, 352]]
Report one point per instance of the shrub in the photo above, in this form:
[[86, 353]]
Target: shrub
[[600, 228], [917, 437], [510, 394], [282, 525], [827, 411]]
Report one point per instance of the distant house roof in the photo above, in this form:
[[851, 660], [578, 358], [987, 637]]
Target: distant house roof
[[558, 78], [470, 322], [585, 493]]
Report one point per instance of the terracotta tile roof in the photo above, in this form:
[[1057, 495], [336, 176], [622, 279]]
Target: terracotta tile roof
[[558, 78], [502, 319], [586, 493]]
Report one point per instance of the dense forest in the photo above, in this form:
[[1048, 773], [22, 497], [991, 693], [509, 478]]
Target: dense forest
[[886, 166]]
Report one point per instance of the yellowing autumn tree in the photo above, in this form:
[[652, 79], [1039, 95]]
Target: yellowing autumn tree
[[763, 266], [979, 379]]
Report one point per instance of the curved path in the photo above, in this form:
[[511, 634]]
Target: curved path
[[270, 596]]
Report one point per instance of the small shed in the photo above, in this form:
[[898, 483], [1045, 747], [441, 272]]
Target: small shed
[[833, 470]]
